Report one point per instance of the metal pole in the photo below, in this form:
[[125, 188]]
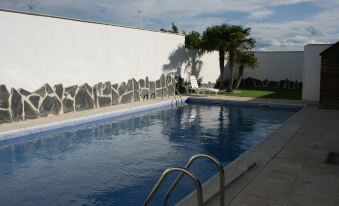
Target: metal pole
[[139, 12]]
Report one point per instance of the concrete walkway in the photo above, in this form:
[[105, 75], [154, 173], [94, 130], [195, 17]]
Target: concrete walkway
[[297, 175]]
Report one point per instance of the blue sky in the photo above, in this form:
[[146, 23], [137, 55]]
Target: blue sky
[[276, 24]]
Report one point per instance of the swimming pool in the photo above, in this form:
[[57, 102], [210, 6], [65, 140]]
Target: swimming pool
[[117, 161]]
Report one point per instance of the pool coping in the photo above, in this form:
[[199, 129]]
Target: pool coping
[[16, 133], [259, 155]]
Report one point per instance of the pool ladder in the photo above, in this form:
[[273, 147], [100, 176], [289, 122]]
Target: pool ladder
[[185, 171], [175, 99]]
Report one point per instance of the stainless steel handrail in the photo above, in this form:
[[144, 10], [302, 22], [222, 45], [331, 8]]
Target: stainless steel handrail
[[175, 89], [190, 162], [182, 172]]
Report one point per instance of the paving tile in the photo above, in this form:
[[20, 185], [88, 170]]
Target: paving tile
[[315, 189], [330, 146], [321, 172], [249, 200], [284, 166], [321, 185], [295, 200], [266, 193], [301, 144]]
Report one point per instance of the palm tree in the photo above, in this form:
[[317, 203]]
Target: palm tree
[[227, 39], [238, 40], [245, 59], [216, 38]]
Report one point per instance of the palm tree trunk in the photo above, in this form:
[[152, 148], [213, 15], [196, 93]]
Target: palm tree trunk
[[221, 66], [240, 76], [231, 64]]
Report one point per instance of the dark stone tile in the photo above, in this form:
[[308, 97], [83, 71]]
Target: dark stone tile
[[135, 85], [129, 85], [34, 99], [16, 105], [50, 105], [83, 100], [5, 116], [146, 82], [95, 96], [115, 97], [30, 112], [142, 83], [71, 90], [136, 96], [115, 86], [59, 90], [104, 101], [157, 84], [98, 86], [122, 88], [49, 89], [127, 98], [107, 88], [24, 92], [68, 105], [4, 95], [89, 88], [41, 91]]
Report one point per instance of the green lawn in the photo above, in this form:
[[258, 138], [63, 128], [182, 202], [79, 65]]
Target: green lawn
[[266, 93]]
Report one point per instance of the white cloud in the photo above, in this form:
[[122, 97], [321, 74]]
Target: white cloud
[[260, 14], [191, 15]]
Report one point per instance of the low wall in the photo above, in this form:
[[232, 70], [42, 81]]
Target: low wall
[[20, 104], [277, 69], [311, 71], [277, 65]]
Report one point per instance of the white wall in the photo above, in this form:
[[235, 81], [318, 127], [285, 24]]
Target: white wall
[[35, 50], [210, 68], [276, 66], [311, 71], [273, 65]]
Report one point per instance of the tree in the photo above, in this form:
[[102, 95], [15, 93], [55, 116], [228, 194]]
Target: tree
[[226, 39], [216, 38], [174, 30], [245, 59], [239, 40], [193, 40]]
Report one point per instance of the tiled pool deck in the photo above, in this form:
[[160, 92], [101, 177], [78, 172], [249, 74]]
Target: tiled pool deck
[[296, 174], [289, 163]]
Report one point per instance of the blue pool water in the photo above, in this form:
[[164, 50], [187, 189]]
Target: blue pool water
[[117, 161]]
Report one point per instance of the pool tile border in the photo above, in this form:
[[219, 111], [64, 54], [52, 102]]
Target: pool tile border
[[15, 134]]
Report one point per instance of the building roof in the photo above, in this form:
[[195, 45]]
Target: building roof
[[330, 48]]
